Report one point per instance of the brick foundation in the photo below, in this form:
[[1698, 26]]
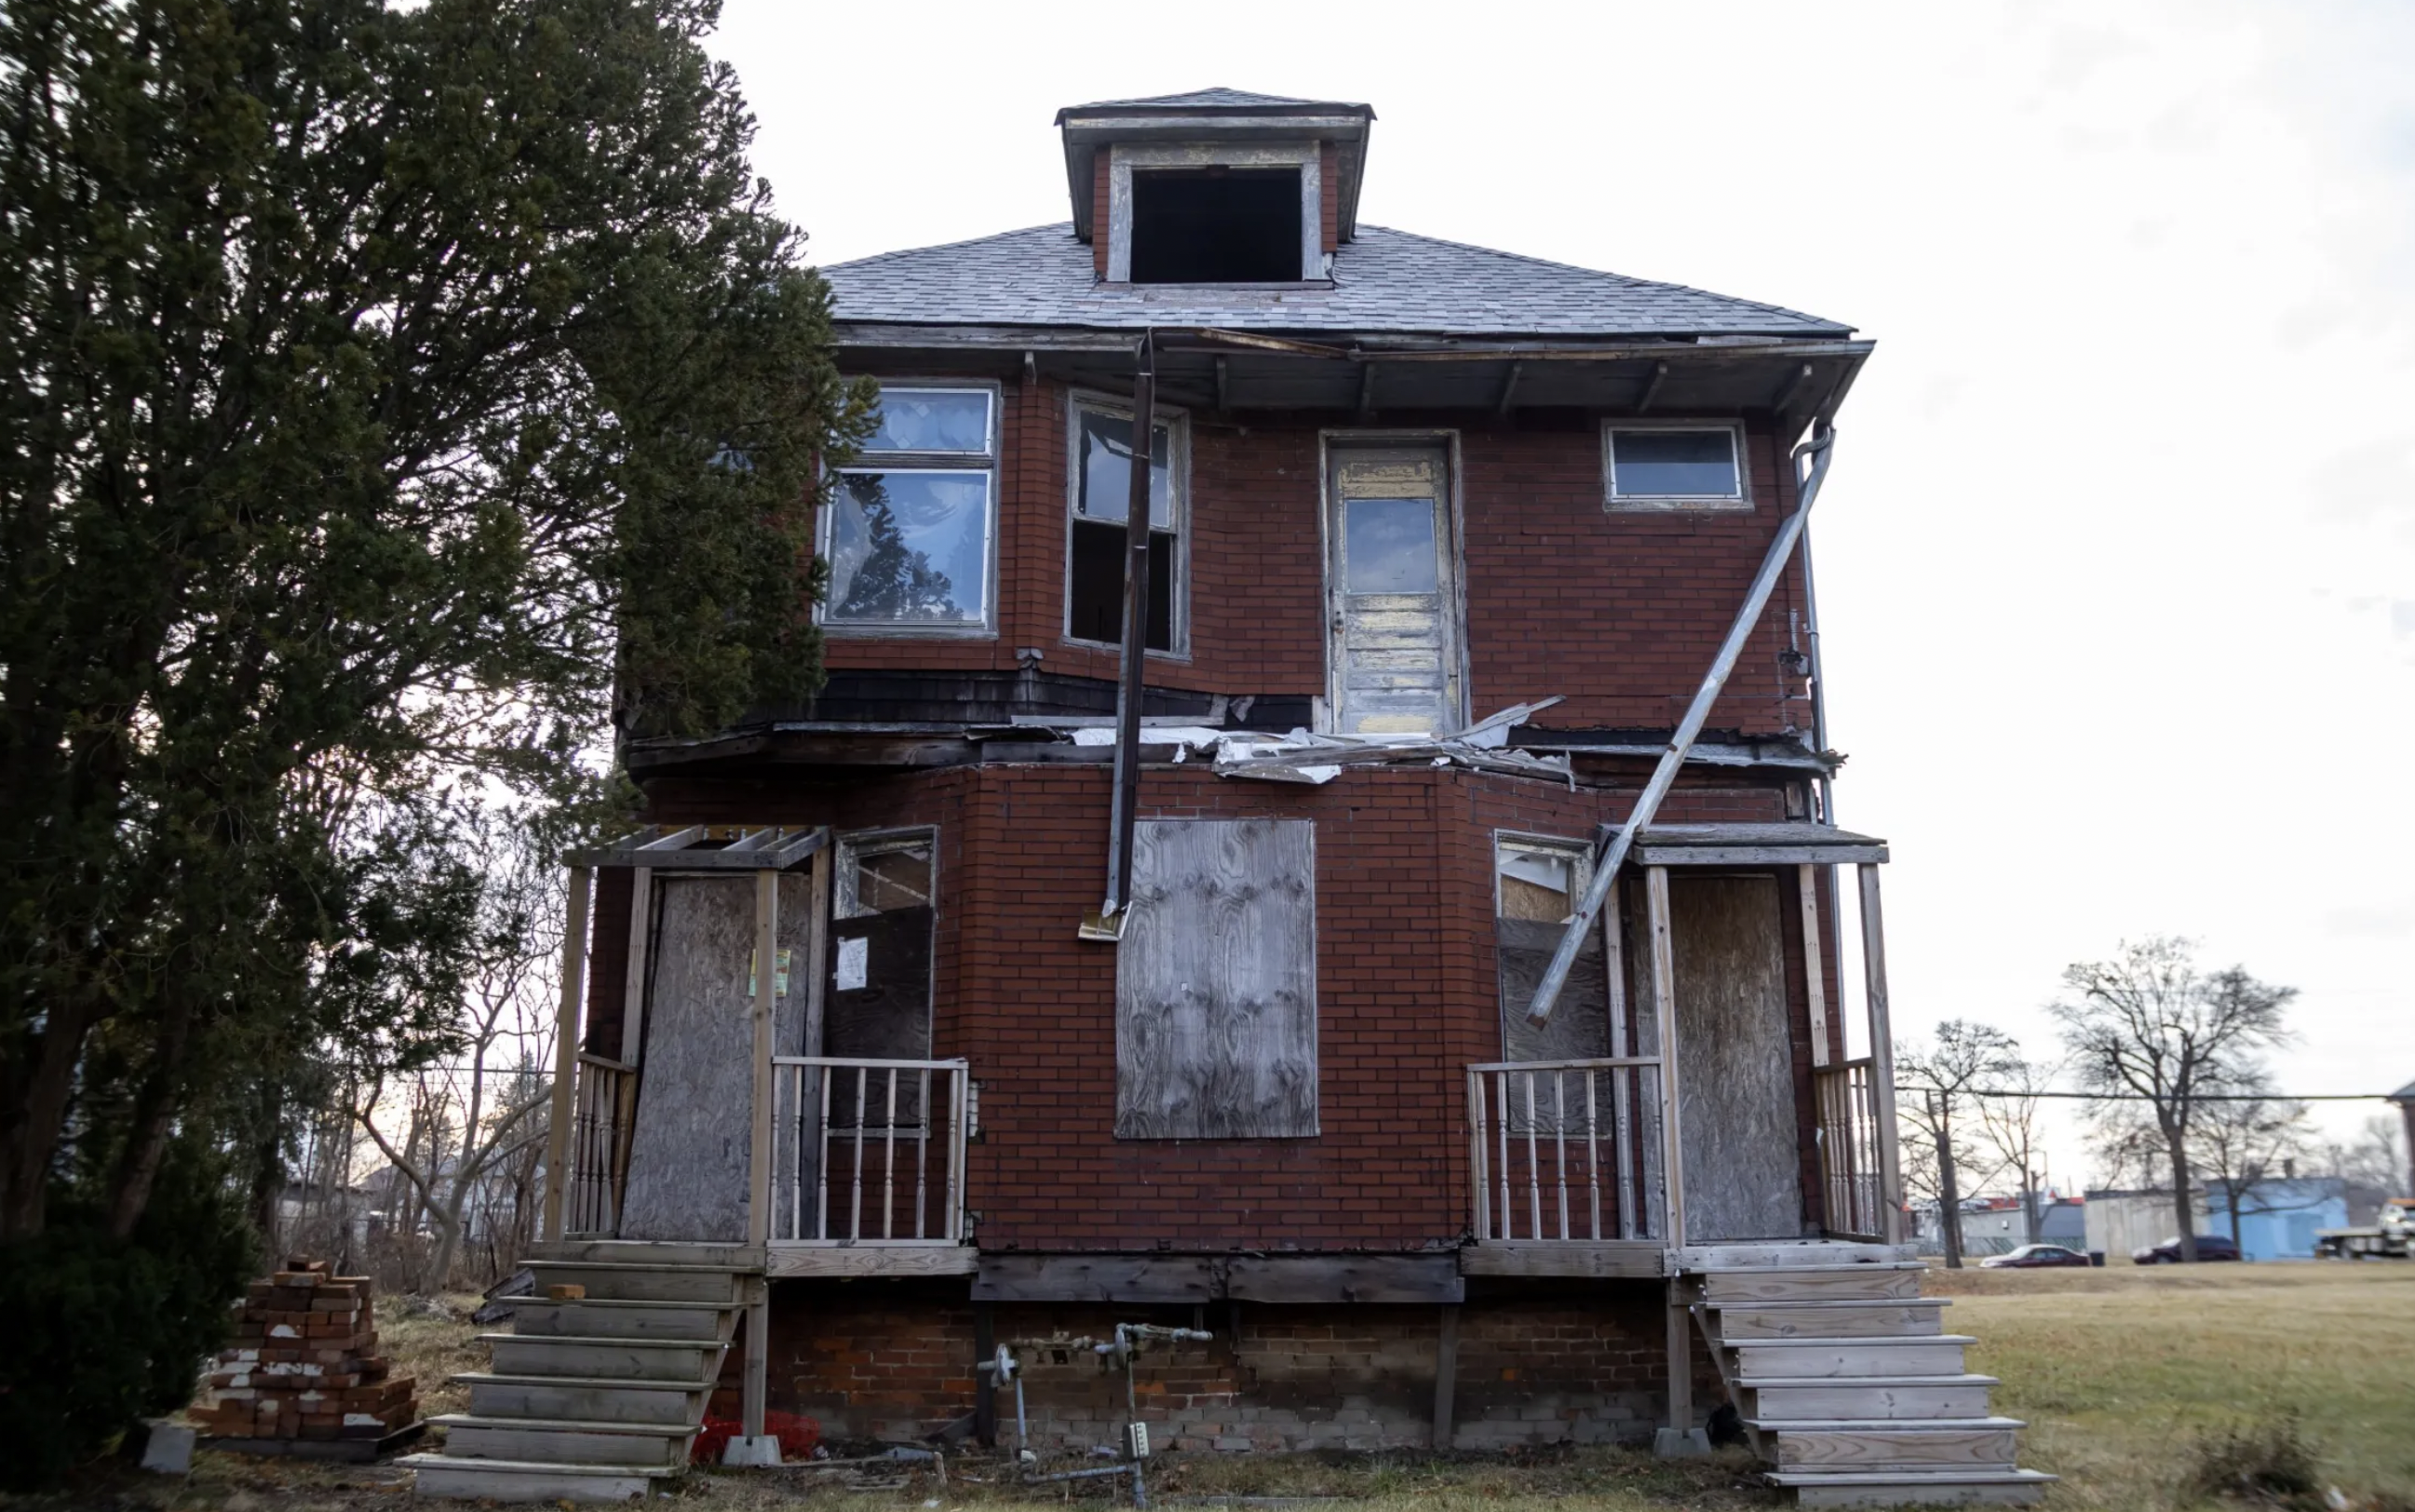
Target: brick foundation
[[1538, 1363]]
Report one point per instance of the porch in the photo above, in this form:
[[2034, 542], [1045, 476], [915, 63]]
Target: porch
[[1692, 1130]]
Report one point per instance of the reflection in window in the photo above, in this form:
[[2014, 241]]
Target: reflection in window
[[884, 873], [909, 548], [1102, 501], [909, 538], [933, 420], [1696, 463], [1389, 546]]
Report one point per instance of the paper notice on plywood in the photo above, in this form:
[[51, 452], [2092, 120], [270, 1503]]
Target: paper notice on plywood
[[854, 965]]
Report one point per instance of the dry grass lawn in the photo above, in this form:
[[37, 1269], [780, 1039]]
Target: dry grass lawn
[[2120, 1373]]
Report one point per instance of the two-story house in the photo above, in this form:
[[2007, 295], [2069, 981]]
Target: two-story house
[[1195, 982]]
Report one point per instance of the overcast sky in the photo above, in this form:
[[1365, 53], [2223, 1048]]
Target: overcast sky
[[2118, 557]]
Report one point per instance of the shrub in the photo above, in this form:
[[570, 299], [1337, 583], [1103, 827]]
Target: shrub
[[2269, 1463], [103, 1331]]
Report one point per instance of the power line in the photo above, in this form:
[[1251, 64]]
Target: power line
[[2141, 1096]]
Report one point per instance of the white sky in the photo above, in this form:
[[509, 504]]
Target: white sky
[[2118, 557]]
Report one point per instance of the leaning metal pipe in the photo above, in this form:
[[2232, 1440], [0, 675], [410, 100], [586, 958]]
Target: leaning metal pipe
[[1664, 777], [1130, 692]]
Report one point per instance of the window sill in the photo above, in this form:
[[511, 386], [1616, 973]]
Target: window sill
[[1178, 658], [1296, 287], [907, 632], [1678, 506]]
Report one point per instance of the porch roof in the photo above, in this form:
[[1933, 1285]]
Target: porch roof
[[1796, 843]]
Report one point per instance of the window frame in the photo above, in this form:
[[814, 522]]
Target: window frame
[[855, 845], [1178, 424], [1123, 157], [1739, 502], [1579, 852], [990, 462]]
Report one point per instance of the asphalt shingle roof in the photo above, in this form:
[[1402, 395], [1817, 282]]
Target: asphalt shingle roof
[[1385, 282], [1216, 97]]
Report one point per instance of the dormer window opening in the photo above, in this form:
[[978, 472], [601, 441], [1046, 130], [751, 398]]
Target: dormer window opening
[[910, 526], [1216, 225]]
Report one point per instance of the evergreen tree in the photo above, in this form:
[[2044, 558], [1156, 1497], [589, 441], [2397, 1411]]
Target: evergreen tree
[[369, 381]]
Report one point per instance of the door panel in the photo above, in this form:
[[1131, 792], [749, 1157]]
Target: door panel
[[1392, 640], [1735, 1060]]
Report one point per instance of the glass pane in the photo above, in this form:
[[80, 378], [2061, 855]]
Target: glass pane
[[931, 420], [1688, 464], [1106, 469], [909, 548], [1538, 884], [898, 878], [1389, 545], [1097, 607]]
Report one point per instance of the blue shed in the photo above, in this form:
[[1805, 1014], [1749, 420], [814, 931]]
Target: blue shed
[[2277, 1218]]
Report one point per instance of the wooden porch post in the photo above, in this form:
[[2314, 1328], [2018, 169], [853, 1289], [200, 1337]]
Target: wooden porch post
[[1882, 1053], [1664, 1009], [565, 1053], [633, 997], [1807, 888], [1446, 1375], [759, 1167]]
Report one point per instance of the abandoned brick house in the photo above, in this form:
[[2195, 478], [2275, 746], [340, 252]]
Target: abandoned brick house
[[1440, 543]]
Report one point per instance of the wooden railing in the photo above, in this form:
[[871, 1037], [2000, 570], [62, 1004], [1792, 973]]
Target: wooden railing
[[1565, 1151], [599, 1145], [1852, 1178], [874, 1150]]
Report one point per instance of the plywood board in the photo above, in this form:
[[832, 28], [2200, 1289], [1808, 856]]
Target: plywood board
[[1216, 982], [1735, 1077], [1578, 1027], [688, 1151]]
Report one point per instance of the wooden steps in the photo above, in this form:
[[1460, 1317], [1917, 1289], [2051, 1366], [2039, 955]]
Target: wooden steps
[[1847, 1381], [595, 1399]]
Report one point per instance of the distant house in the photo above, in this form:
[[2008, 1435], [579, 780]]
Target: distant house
[[1999, 1226], [2277, 1218], [2120, 1220]]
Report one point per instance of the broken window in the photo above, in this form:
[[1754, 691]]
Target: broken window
[[881, 874], [1102, 437], [879, 1005], [1675, 467], [908, 531], [1216, 225], [1537, 885]]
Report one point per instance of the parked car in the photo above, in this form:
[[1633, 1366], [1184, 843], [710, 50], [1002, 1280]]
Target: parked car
[[2209, 1247], [2033, 1257]]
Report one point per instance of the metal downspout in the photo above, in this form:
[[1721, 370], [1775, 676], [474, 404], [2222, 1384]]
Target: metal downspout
[[1108, 923]]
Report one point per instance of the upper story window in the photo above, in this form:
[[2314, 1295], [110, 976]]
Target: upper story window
[[1100, 503], [1215, 212], [911, 527], [1675, 466]]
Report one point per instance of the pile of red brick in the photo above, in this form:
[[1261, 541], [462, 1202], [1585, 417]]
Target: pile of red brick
[[304, 1364]]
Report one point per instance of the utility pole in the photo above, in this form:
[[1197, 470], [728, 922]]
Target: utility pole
[[1949, 1198]]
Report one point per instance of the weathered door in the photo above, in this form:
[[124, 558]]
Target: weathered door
[[1737, 1128], [1392, 652]]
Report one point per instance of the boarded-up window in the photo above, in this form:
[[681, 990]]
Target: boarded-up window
[[1216, 982]]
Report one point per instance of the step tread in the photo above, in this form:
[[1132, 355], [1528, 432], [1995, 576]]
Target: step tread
[[608, 1340], [536, 1467], [1941, 1475], [1811, 1303], [1857, 1381], [1883, 1425], [673, 1303], [1852, 1341], [683, 1267], [1850, 1269], [609, 1383], [562, 1425]]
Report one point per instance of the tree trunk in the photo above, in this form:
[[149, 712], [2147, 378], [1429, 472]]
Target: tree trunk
[[2181, 1176], [2028, 1206], [32, 1128], [1949, 1196]]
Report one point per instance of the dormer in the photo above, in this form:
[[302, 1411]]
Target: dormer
[[1215, 188]]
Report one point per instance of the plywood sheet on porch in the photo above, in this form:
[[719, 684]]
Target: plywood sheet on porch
[[1736, 1125], [1216, 982], [688, 1151]]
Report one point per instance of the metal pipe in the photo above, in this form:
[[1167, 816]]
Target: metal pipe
[[1129, 697], [1664, 777], [1818, 683]]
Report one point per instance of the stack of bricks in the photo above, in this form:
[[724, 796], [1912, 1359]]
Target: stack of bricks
[[304, 1364]]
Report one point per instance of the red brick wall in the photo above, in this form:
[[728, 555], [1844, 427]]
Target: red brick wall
[[1407, 992], [1538, 1363], [1620, 614], [1328, 199], [1100, 179]]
